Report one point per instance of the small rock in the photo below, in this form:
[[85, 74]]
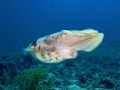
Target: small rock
[[74, 87]]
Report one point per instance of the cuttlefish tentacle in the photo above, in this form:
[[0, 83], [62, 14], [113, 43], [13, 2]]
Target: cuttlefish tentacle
[[64, 45]]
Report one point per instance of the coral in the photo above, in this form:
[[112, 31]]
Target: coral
[[5, 78], [8, 71], [32, 79]]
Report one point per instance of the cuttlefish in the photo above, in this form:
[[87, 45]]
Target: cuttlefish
[[64, 45]]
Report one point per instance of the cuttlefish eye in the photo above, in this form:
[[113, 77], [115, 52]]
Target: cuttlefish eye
[[63, 34]]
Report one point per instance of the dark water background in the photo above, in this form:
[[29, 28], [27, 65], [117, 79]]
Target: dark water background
[[22, 21]]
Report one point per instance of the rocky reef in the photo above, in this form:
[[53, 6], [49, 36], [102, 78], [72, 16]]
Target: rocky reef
[[96, 70]]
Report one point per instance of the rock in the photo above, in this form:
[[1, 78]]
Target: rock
[[82, 79], [3, 57], [107, 84], [3, 88], [55, 89], [74, 87], [57, 83]]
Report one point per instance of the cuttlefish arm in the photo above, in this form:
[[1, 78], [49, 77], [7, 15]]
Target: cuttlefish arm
[[85, 40], [65, 44]]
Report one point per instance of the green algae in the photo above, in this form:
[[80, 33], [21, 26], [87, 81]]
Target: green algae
[[32, 79]]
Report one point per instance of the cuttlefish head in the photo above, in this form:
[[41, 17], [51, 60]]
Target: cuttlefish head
[[86, 40]]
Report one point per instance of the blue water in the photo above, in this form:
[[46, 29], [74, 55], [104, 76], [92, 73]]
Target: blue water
[[22, 21]]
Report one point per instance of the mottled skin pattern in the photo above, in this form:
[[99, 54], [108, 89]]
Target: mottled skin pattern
[[64, 45]]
